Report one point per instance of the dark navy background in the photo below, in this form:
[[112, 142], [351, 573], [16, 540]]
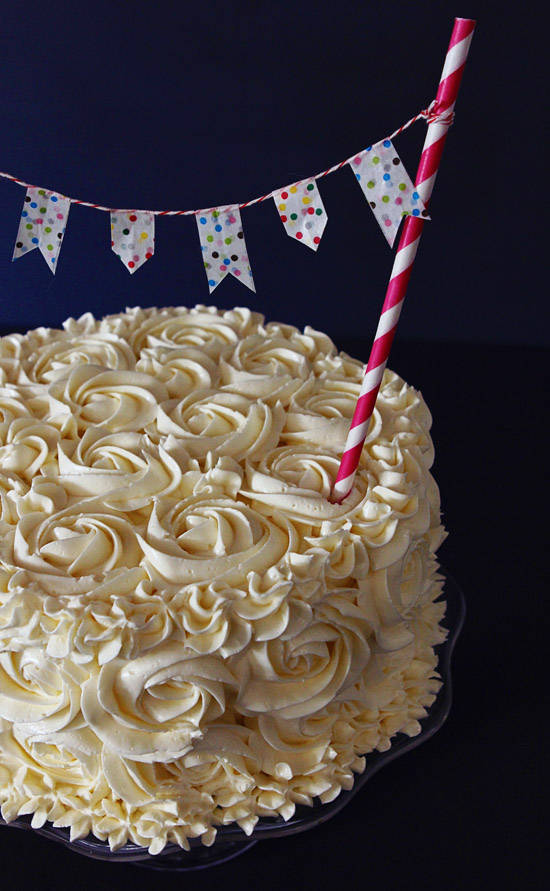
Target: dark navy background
[[176, 105]]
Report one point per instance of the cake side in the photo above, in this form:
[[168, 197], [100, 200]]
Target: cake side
[[191, 634]]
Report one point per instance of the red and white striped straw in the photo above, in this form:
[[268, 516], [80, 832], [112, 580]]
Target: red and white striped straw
[[441, 114]]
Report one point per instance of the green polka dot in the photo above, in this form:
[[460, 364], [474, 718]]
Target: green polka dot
[[385, 198], [42, 210], [376, 160], [402, 186], [50, 247], [228, 240], [293, 216], [28, 226], [319, 211], [42, 191], [215, 214], [47, 229], [371, 184], [311, 187], [210, 238]]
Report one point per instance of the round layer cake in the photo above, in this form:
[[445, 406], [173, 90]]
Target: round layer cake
[[191, 633]]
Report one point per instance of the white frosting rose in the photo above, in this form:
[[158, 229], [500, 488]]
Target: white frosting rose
[[153, 707]]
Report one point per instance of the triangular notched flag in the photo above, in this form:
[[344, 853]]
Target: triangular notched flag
[[223, 246], [302, 212], [42, 225], [387, 187], [133, 237]]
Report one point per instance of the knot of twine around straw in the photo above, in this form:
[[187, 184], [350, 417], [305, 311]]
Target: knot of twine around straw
[[433, 115]]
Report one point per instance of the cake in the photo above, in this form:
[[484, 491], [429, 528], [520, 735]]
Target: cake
[[191, 633]]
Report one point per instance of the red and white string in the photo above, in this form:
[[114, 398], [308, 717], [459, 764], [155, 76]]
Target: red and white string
[[428, 114]]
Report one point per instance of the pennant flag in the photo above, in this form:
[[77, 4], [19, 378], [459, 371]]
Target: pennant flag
[[133, 237], [223, 246], [42, 225], [387, 187], [302, 212]]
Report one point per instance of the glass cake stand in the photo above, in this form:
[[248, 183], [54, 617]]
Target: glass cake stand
[[231, 840]]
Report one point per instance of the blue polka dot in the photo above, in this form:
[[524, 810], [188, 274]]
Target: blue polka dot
[[369, 148], [53, 198], [387, 143], [24, 248], [218, 228], [227, 262], [358, 175], [34, 240], [202, 220], [211, 282], [416, 212], [24, 214], [53, 259], [34, 204], [203, 248], [386, 177], [416, 196]]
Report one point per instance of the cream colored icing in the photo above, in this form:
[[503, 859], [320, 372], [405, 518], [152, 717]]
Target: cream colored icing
[[191, 633]]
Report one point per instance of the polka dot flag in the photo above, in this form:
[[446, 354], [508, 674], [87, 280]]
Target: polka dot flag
[[133, 237], [223, 246], [387, 187], [302, 212], [42, 225]]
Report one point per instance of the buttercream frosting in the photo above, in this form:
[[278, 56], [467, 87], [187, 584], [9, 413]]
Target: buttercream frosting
[[191, 633]]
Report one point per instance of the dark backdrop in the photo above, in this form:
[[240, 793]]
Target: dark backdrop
[[178, 105], [162, 105]]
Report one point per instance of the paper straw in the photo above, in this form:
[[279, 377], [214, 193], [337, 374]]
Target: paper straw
[[441, 114]]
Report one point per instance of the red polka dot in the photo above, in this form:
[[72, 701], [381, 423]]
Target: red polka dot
[[131, 264], [284, 218], [148, 255], [284, 194], [132, 218], [316, 239], [310, 210], [38, 222], [112, 244], [237, 271], [299, 235]]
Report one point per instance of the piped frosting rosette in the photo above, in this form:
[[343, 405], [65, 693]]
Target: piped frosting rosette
[[191, 633]]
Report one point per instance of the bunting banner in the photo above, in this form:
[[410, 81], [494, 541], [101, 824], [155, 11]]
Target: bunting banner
[[378, 169], [223, 246], [387, 187], [302, 212], [42, 224], [133, 237]]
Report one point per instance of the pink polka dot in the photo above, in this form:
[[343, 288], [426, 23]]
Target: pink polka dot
[[236, 271], [135, 258], [357, 160], [59, 216], [244, 259], [387, 222], [399, 201], [38, 222], [219, 242], [223, 268], [232, 219]]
